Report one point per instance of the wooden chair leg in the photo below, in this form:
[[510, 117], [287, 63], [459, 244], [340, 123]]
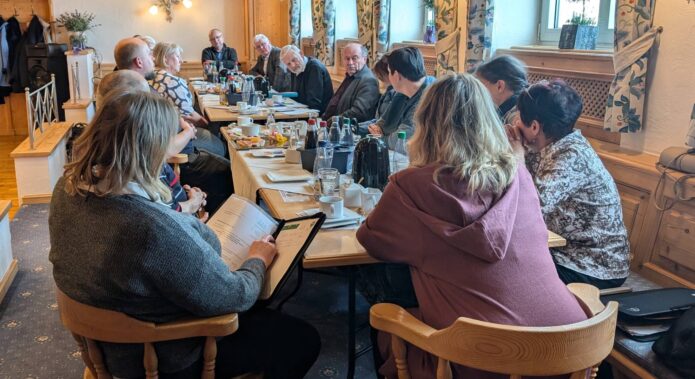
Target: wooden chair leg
[[399, 354], [209, 355], [97, 360], [84, 354], [150, 361], [443, 369]]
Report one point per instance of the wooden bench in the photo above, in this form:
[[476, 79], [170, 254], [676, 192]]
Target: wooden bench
[[8, 264]]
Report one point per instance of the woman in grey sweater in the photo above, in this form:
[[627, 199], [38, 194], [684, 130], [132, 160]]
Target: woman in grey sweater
[[116, 245]]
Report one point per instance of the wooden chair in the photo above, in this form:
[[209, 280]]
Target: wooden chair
[[89, 324], [505, 349], [177, 160]]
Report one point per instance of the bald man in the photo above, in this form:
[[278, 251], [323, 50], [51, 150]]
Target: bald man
[[219, 51], [359, 92], [134, 54], [310, 79]]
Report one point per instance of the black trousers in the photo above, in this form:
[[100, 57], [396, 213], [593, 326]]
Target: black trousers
[[278, 345], [569, 276], [212, 174]]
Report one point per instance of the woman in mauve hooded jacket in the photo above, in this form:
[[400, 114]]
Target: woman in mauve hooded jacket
[[466, 218]]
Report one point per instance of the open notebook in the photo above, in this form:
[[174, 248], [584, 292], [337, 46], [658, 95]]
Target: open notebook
[[239, 222]]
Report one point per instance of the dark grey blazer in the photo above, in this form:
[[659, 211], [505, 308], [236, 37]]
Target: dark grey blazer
[[277, 75], [360, 98]]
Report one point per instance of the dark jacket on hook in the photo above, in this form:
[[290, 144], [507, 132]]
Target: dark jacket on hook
[[19, 77]]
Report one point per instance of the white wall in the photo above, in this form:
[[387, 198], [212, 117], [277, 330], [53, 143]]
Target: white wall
[[189, 29], [671, 91], [407, 20], [515, 23]]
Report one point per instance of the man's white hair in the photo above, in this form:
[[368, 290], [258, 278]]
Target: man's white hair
[[289, 49], [260, 38]]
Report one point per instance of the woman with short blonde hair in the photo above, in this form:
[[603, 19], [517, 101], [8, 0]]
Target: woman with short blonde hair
[[465, 221], [163, 51]]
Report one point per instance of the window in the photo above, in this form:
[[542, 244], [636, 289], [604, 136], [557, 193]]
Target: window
[[556, 13]]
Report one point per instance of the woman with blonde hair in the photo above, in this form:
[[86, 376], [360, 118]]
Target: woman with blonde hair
[[116, 245], [465, 217]]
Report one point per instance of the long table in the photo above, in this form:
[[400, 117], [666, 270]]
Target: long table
[[330, 248], [211, 108]]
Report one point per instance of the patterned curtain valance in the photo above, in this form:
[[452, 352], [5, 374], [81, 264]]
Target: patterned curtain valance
[[295, 22], [479, 36], [634, 37], [446, 24], [373, 26], [323, 16]]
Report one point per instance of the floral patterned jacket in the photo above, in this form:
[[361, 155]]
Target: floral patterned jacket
[[174, 88], [580, 202]]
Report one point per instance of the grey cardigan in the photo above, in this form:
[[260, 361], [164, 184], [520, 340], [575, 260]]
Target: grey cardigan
[[277, 75], [128, 254]]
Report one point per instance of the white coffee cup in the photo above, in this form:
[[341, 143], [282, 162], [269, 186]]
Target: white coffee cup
[[242, 105], [244, 120], [370, 196], [251, 130], [277, 99], [332, 206]]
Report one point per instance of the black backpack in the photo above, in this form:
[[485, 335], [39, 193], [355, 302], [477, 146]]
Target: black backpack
[[677, 347]]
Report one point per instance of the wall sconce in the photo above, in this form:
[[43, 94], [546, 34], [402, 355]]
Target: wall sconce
[[168, 5]]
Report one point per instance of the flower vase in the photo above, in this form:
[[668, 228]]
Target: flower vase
[[78, 41], [430, 35]]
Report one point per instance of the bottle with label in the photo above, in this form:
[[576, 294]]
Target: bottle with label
[[400, 160], [247, 90], [311, 139], [215, 73]]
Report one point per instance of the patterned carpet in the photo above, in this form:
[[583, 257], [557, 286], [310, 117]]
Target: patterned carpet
[[33, 343]]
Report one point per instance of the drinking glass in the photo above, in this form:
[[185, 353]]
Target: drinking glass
[[370, 197], [330, 181]]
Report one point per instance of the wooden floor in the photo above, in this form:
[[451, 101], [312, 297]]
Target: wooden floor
[[8, 181]]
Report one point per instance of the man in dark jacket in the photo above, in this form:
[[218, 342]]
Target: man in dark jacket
[[310, 79], [268, 64], [359, 92], [219, 51]]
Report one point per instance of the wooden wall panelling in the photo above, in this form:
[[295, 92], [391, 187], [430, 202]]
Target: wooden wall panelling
[[634, 203], [189, 69], [272, 18], [26, 9], [6, 126], [18, 102]]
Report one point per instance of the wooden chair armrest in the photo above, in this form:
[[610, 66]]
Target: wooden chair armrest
[[588, 297], [178, 159], [393, 319], [217, 326]]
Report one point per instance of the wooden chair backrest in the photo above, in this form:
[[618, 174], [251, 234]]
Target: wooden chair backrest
[[89, 324], [505, 349], [176, 161]]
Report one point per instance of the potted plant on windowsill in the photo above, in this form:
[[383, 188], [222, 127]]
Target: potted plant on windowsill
[[77, 23], [580, 32]]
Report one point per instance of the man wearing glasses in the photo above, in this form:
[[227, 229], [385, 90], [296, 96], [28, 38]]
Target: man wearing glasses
[[359, 92], [268, 64], [219, 51]]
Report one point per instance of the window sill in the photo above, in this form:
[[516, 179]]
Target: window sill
[[600, 51]]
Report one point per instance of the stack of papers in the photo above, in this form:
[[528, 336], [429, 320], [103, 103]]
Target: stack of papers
[[268, 153], [350, 218], [282, 176]]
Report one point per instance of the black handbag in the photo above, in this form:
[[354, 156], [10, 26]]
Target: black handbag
[[677, 347]]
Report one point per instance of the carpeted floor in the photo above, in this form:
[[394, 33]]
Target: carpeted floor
[[33, 343]]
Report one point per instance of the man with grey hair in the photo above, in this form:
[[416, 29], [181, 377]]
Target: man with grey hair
[[310, 79], [359, 92], [134, 54], [219, 51], [268, 64]]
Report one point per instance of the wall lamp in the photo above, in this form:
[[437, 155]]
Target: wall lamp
[[167, 6]]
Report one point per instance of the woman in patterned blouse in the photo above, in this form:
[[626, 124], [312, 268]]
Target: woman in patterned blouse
[[578, 196], [167, 59]]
